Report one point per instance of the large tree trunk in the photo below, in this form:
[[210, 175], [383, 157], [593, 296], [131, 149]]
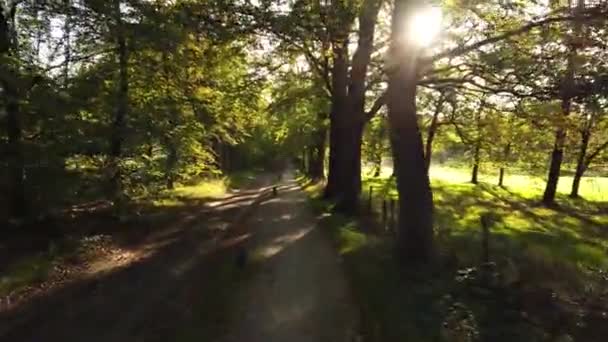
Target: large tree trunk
[[415, 227], [339, 77], [347, 116], [350, 182], [118, 123], [353, 121], [581, 164]]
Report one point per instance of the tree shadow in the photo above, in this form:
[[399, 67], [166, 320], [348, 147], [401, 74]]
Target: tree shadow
[[181, 289]]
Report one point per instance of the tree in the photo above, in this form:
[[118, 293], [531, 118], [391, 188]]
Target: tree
[[567, 94], [415, 235], [591, 146]]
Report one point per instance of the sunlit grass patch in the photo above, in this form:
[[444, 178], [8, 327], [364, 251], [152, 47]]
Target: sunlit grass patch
[[540, 249], [571, 234], [205, 189]]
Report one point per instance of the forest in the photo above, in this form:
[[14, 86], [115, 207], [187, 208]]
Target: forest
[[308, 170]]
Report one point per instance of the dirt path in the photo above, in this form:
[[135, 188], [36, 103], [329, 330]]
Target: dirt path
[[182, 275], [159, 296], [299, 292]]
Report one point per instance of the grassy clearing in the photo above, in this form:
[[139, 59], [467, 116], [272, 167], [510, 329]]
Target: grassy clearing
[[574, 234], [539, 254]]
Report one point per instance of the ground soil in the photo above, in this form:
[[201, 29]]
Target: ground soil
[[156, 286], [300, 292]]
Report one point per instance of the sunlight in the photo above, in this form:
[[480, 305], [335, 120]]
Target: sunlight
[[424, 26]]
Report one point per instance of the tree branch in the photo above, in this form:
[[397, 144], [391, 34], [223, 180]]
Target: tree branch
[[461, 50], [595, 153], [378, 104]]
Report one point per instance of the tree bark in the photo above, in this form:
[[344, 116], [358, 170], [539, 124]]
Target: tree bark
[[350, 182], [67, 33], [557, 157], [378, 163], [415, 226], [501, 172], [170, 139], [567, 90], [431, 135], [317, 160], [15, 154], [15, 158], [581, 164], [476, 162], [339, 76], [348, 113], [118, 123]]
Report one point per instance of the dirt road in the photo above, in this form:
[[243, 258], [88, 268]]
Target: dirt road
[[299, 292], [181, 275]]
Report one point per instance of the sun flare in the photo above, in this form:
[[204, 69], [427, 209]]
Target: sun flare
[[424, 26]]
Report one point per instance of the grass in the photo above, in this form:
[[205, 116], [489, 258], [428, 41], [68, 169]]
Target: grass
[[538, 251], [206, 189], [28, 271], [574, 233]]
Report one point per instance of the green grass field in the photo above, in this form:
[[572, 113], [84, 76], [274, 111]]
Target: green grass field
[[576, 232], [542, 250]]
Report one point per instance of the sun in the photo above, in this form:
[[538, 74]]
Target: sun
[[424, 26]]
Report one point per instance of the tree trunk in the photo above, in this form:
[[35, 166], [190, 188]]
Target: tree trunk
[[15, 157], [476, 162], [350, 182], [567, 90], [67, 53], [339, 77], [170, 166], [346, 132], [429, 140], [415, 226], [170, 141], [581, 164], [15, 154], [554, 168], [317, 161], [118, 124], [377, 165], [310, 156]]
